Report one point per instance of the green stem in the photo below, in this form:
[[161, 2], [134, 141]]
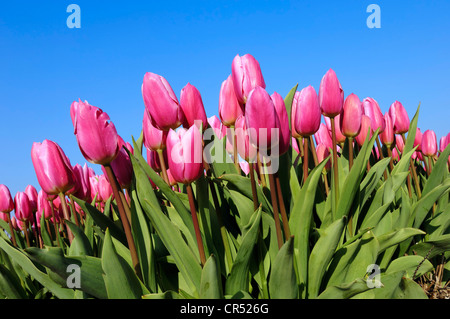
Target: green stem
[[66, 215], [198, 235], [335, 166]]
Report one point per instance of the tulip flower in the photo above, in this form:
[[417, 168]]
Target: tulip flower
[[192, 105], [32, 194], [399, 143], [229, 107], [220, 130], [161, 102], [94, 187], [6, 201], [154, 138], [322, 136], [247, 75], [246, 150], [44, 205], [104, 188], [365, 129], [350, 119], [340, 138], [122, 168], [443, 143], [331, 95], [96, 134], [418, 139], [373, 111], [429, 143], [23, 209], [306, 112], [53, 169], [82, 190], [323, 152], [399, 118], [283, 119], [4, 217], [387, 136]]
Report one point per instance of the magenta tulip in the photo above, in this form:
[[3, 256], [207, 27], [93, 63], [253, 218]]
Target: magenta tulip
[[96, 134], [387, 136], [229, 107], [192, 105], [399, 118], [94, 187], [340, 138], [6, 201], [331, 95], [350, 119], [161, 102], [283, 119], [23, 209], [32, 194], [322, 136], [399, 143], [366, 128], [220, 130], [322, 153], [245, 149], [82, 189], [418, 139], [44, 205], [185, 154], [443, 142], [372, 110], [154, 138], [104, 188], [429, 143], [53, 169], [247, 75], [306, 112], [122, 168], [261, 119]]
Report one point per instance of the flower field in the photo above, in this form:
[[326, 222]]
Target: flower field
[[316, 194]]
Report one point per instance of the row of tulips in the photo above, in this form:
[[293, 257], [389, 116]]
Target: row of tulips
[[259, 134]]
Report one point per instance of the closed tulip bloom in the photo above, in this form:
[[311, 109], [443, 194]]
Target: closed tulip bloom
[[53, 169], [350, 119], [44, 205], [245, 149], [387, 136], [161, 102], [429, 143], [285, 132], [185, 154], [104, 188], [331, 95], [307, 112], [4, 217], [294, 132], [153, 160], [22, 207], [154, 138], [32, 194], [192, 105], [220, 130], [322, 153], [365, 128], [229, 107], [82, 190], [399, 118], [96, 134], [247, 75], [6, 201], [399, 143], [261, 119], [418, 139], [340, 138], [94, 186], [372, 110], [122, 168], [322, 136], [443, 142]]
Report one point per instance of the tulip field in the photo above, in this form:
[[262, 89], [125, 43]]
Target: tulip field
[[312, 195]]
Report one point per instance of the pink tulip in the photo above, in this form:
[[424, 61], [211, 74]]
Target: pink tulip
[[365, 128], [82, 188], [53, 169], [154, 138], [387, 136], [245, 149], [192, 105], [323, 136], [294, 132], [6, 201], [104, 188], [247, 75], [283, 119], [22, 207], [429, 143], [185, 154], [32, 194], [4, 217], [96, 134], [372, 110], [418, 139], [331, 95], [350, 119], [94, 186], [220, 130], [161, 102], [172, 181], [44, 205], [122, 168], [399, 143], [245, 167], [262, 119], [229, 107], [323, 152], [443, 142], [340, 138], [306, 112], [399, 118]]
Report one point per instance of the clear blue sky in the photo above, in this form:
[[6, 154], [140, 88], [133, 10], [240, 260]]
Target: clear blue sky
[[44, 65]]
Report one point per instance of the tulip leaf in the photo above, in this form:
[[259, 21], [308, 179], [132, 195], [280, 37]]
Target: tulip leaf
[[409, 144], [211, 282], [10, 286], [46, 239], [431, 248], [288, 103], [345, 291], [413, 265], [438, 173], [80, 245]]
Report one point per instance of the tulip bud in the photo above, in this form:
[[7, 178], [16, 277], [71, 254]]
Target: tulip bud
[[104, 188], [32, 194], [4, 217], [331, 95], [323, 152], [340, 138], [161, 102], [53, 169], [429, 143], [418, 139], [322, 136], [154, 138], [96, 134], [246, 74], [306, 115], [44, 205], [365, 128], [285, 132], [6, 201], [22, 207], [229, 107], [387, 136], [220, 130], [82, 190], [373, 111], [185, 154], [350, 119], [399, 118], [245, 149], [122, 168], [192, 105], [94, 187]]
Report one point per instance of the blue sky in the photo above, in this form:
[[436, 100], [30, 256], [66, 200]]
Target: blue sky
[[44, 65]]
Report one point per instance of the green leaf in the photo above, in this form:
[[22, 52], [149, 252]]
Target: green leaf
[[288, 102], [211, 282], [321, 255], [409, 144], [438, 173], [432, 248], [345, 291], [283, 281], [397, 236], [166, 295], [10, 286], [120, 279], [238, 279], [80, 245], [413, 265]]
